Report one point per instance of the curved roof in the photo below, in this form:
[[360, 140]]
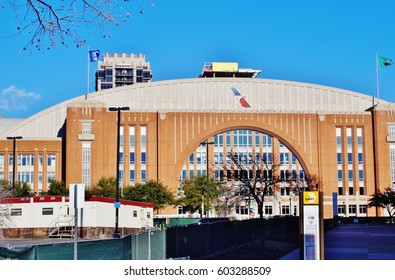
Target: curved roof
[[204, 95]]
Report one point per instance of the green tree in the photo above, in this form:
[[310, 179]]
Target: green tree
[[384, 200], [23, 190], [105, 187], [152, 192], [194, 194], [57, 188]]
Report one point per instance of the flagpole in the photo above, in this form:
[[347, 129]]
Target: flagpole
[[87, 85], [377, 79]]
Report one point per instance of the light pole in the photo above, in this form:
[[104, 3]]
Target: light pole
[[116, 204], [14, 138], [206, 142]]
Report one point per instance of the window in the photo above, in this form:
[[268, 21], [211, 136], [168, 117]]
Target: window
[[349, 157], [352, 209], [143, 175], [362, 209], [391, 130], [360, 158], [16, 211], [51, 176], [131, 176], [86, 128], [47, 211], [121, 138], [26, 160], [340, 209], [86, 165], [268, 210], [285, 210], [131, 158], [338, 137], [134, 213], [148, 215], [143, 139], [143, 158], [340, 175], [51, 159], [131, 136]]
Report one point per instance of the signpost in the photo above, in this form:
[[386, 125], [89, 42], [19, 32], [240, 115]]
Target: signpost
[[77, 199], [311, 225]]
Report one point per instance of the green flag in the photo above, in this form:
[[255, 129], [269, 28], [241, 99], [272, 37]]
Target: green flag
[[384, 62]]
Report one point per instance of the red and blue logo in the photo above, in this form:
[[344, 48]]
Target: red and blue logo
[[241, 98]]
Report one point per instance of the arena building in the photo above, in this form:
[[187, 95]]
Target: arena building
[[344, 138]]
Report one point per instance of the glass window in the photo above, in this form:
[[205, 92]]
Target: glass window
[[16, 211], [131, 136], [352, 209], [143, 139], [51, 159], [362, 209], [360, 158], [131, 158], [340, 175], [349, 157], [143, 175], [134, 213], [143, 158], [268, 210], [340, 209], [47, 211], [339, 158], [131, 176]]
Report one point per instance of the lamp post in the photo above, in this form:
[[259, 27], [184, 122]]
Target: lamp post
[[117, 204], [14, 138], [206, 142]]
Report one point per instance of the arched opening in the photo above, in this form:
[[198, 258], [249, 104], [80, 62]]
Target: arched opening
[[239, 156]]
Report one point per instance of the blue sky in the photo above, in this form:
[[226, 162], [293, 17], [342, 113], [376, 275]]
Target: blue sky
[[326, 42]]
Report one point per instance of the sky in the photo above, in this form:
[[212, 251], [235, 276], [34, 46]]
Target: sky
[[326, 42]]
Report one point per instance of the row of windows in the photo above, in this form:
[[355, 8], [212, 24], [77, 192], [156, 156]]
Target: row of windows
[[349, 158], [47, 211], [28, 177], [143, 158], [243, 138], [28, 160]]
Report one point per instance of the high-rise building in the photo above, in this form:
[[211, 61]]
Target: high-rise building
[[116, 70]]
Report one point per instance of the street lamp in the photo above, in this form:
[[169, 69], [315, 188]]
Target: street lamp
[[117, 204], [206, 142], [14, 138]]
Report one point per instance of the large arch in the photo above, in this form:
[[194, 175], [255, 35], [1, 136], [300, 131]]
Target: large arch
[[298, 132]]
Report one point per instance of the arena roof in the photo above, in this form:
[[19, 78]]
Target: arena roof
[[203, 95]]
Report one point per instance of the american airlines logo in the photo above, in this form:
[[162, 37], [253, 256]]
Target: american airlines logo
[[241, 98]]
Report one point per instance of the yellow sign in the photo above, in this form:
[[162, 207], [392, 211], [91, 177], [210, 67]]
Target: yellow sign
[[310, 197], [225, 66]]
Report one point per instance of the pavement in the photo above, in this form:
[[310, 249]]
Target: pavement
[[356, 242]]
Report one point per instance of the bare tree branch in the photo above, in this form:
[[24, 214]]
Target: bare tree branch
[[49, 22]]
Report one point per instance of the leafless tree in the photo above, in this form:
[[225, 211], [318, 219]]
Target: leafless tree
[[53, 22], [5, 191]]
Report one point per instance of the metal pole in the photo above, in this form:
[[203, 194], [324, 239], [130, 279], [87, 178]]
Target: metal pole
[[116, 232], [75, 223], [14, 138], [206, 142], [116, 205], [208, 187]]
